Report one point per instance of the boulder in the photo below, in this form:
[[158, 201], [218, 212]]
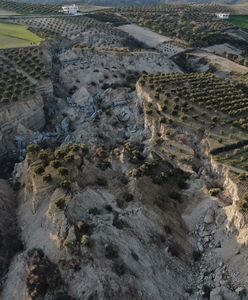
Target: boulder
[[223, 293], [209, 217], [83, 98], [241, 291]]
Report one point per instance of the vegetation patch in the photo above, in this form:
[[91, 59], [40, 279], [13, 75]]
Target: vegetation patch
[[14, 85], [241, 21], [197, 25], [29, 8], [69, 26], [29, 59], [12, 36]]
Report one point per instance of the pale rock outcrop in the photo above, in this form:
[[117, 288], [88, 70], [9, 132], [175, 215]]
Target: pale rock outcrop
[[82, 97]]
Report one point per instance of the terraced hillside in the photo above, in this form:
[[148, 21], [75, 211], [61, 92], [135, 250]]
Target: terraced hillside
[[219, 111]]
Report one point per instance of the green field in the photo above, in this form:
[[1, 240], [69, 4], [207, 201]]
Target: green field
[[241, 21], [12, 36], [88, 8]]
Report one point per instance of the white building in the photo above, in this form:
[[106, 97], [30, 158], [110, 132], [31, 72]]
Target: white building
[[70, 9], [223, 16]]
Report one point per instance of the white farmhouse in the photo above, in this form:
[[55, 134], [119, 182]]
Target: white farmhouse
[[70, 9], [223, 16]]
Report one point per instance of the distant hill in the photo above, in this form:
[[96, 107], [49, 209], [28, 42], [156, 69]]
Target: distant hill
[[136, 2]]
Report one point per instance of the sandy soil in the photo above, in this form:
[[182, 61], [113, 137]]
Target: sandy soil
[[220, 49], [221, 63], [145, 35]]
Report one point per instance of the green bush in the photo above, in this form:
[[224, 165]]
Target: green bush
[[47, 178], [60, 203], [145, 168], [55, 164], [39, 170], [134, 173], [69, 158], [66, 184], [242, 176], [63, 171], [60, 154], [136, 155], [83, 227], [243, 204], [84, 148], [214, 192], [43, 155], [101, 153], [85, 240], [245, 197], [75, 148], [33, 148], [149, 111]]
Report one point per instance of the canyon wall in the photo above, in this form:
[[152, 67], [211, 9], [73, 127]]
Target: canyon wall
[[19, 119]]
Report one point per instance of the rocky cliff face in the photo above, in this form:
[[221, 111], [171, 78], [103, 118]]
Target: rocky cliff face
[[18, 120], [121, 221], [46, 88], [121, 234], [216, 222], [10, 242], [122, 208], [237, 221]]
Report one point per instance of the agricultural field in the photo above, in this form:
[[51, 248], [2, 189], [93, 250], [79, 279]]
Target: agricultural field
[[196, 25], [199, 104], [241, 21], [29, 8], [29, 60], [198, 101], [14, 85], [235, 158], [68, 26], [90, 8], [12, 36], [108, 17]]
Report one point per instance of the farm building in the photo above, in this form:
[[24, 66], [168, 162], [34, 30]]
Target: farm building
[[223, 16], [70, 9]]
